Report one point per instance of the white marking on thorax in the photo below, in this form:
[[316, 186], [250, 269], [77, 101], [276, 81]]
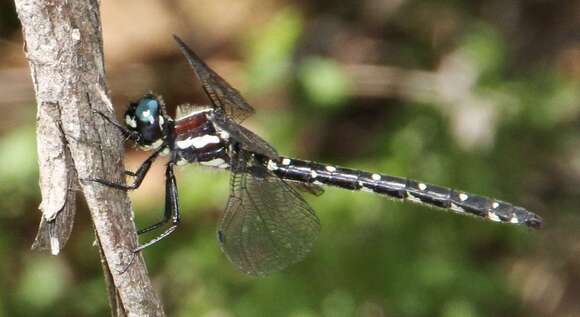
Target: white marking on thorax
[[376, 177], [218, 162], [514, 219], [331, 168], [223, 134], [130, 121], [286, 161], [422, 186], [272, 165], [495, 205], [161, 121], [198, 142], [463, 197], [313, 174]]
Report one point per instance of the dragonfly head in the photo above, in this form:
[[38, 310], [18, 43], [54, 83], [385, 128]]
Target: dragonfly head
[[147, 117]]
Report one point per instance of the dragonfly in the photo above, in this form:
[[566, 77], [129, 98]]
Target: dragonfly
[[267, 225]]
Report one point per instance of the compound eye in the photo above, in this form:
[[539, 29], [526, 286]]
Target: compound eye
[[147, 110]]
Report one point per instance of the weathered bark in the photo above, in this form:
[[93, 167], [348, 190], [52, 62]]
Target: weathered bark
[[64, 49]]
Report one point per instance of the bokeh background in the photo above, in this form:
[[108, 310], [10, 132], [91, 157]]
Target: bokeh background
[[477, 95]]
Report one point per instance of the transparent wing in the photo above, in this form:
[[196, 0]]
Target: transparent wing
[[247, 139], [311, 189], [267, 225], [221, 94]]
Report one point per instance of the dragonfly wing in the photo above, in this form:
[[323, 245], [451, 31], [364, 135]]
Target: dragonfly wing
[[311, 189], [247, 139], [221, 94], [267, 225]]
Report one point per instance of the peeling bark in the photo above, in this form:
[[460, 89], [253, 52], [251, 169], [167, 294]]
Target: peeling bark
[[63, 46], [57, 179]]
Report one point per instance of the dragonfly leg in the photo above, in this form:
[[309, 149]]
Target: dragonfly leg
[[129, 173], [128, 134], [139, 175], [171, 209], [166, 213]]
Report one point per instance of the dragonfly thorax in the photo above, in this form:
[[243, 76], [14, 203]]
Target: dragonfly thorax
[[198, 140]]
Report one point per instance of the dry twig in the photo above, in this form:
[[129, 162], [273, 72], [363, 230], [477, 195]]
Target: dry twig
[[63, 46]]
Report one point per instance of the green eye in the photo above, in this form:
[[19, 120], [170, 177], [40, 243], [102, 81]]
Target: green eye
[[147, 110]]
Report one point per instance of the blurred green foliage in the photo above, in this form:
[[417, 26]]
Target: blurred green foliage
[[375, 257], [19, 171], [323, 82], [270, 49]]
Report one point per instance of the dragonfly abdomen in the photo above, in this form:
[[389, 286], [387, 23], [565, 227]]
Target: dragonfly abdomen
[[403, 188]]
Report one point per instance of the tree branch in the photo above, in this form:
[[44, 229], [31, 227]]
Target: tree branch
[[63, 46]]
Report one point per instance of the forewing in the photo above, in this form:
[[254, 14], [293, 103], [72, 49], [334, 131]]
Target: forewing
[[221, 94], [267, 225], [247, 139]]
